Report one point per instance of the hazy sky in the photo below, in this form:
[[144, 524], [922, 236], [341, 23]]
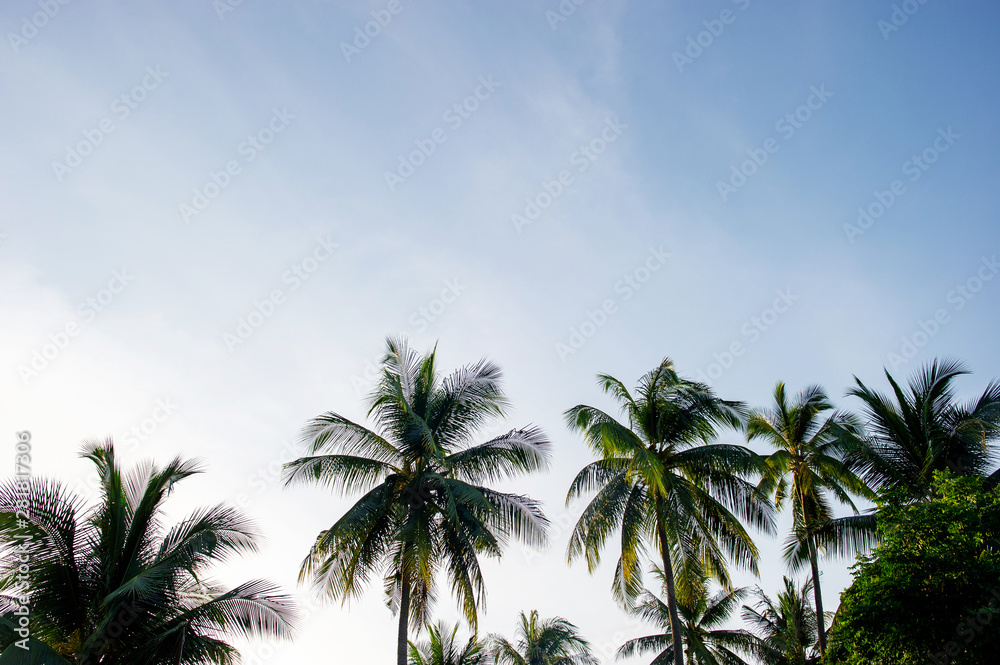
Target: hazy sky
[[214, 212]]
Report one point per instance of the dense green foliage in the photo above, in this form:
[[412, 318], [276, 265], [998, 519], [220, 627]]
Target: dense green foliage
[[111, 585], [930, 592]]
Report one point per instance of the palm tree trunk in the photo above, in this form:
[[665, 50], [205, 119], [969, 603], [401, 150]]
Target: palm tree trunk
[[180, 649], [814, 563], [668, 575], [404, 617], [820, 618]]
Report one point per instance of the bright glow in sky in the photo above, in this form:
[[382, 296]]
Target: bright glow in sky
[[214, 213]]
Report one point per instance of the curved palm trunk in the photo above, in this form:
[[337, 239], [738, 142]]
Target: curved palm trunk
[[668, 575], [404, 617], [817, 593]]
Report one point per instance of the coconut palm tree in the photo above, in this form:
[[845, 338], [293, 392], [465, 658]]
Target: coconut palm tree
[[702, 615], [806, 470], [442, 648], [923, 429], [786, 630], [112, 585], [425, 503], [661, 480], [551, 642]]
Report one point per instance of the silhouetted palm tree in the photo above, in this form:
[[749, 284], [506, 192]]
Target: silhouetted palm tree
[[442, 648], [112, 585], [425, 505], [806, 469], [550, 642], [786, 629], [661, 480], [705, 640], [923, 429], [908, 437]]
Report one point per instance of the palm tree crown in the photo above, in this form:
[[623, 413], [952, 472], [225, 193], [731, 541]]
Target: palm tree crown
[[926, 430], [805, 469], [113, 585], [661, 479], [443, 648], [549, 642], [787, 628], [425, 503], [703, 616]]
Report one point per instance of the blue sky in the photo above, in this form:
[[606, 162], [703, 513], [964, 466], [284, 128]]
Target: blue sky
[[767, 268]]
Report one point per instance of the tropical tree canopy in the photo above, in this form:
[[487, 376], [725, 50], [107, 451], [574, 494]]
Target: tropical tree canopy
[[542, 642], [923, 428], [662, 480], [786, 627], [806, 470], [426, 504], [930, 592], [112, 584], [443, 648], [703, 618]]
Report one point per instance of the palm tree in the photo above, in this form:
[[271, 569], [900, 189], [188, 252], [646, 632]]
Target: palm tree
[[702, 617], [925, 430], [425, 503], [786, 630], [660, 479], [806, 469], [442, 648], [551, 642], [112, 585]]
